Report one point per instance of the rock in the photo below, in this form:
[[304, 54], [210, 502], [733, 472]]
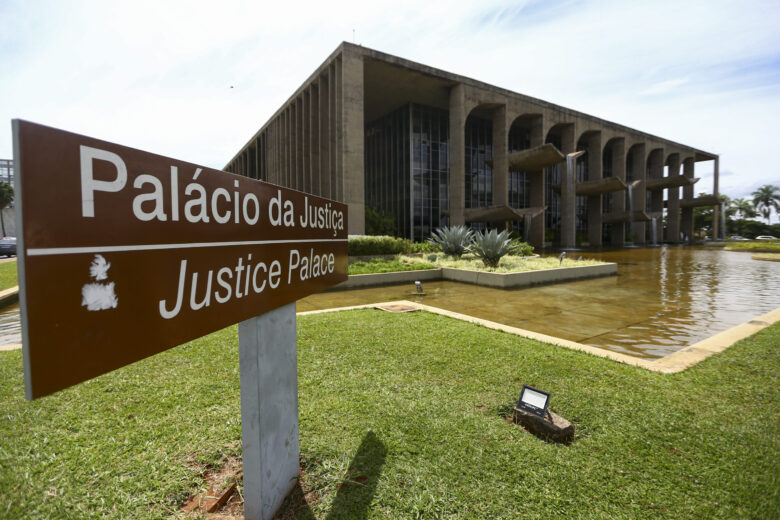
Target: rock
[[553, 428]]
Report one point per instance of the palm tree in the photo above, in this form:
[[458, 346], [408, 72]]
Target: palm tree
[[6, 197], [743, 208], [766, 198]]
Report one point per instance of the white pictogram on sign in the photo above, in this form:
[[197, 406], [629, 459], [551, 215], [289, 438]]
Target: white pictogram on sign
[[99, 296]]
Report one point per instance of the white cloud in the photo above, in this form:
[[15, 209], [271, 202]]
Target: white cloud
[[157, 75]]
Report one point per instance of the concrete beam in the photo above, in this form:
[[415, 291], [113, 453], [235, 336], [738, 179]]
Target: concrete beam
[[595, 173], [269, 409], [673, 203], [457, 155], [353, 171]]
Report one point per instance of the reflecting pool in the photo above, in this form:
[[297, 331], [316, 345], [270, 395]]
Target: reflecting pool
[[663, 299], [10, 326]]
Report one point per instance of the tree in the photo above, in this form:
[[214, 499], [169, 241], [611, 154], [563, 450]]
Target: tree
[[767, 198], [6, 197], [702, 216], [743, 208]]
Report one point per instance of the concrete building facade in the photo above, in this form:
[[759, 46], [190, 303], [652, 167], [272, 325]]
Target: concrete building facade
[[417, 148]]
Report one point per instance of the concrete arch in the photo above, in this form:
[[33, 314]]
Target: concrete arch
[[530, 123], [585, 135]]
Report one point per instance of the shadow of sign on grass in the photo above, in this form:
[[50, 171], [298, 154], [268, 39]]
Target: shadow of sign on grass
[[355, 492]]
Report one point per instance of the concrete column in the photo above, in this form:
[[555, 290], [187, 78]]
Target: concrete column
[[716, 208], [618, 229], [353, 171], [595, 206], [688, 194], [656, 171], [333, 130], [500, 158], [568, 194], [269, 410], [306, 142], [639, 192], [286, 147], [339, 132], [300, 150], [314, 139], [537, 184], [324, 136], [673, 204], [274, 171], [457, 154]]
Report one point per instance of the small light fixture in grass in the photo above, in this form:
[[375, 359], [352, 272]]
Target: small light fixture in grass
[[532, 412], [534, 401]]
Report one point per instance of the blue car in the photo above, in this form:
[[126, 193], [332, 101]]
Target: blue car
[[8, 246]]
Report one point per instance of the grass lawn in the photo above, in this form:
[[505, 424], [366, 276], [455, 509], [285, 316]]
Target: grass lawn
[[761, 245], [774, 257], [507, 264], [402, 416], [382, 265], [8, 275]]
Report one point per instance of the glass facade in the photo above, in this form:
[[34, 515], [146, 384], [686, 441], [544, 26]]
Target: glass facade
[[479, 175], [519, 188], [407, 171], [7, 171], [430, 170]]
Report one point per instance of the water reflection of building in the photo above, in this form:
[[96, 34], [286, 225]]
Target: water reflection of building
[[7, 171], [422, 148]]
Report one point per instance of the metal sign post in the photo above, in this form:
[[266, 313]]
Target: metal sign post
[[123, 254]]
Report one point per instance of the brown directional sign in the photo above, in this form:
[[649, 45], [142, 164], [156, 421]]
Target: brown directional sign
[[124, 253]]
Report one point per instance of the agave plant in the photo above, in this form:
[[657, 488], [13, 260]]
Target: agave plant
[[491, 245], [452, 241]]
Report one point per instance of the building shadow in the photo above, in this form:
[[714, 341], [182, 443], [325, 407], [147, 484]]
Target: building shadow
[[354, 494]]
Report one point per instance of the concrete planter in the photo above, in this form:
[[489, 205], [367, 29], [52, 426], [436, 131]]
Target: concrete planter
[[356, 281], [528, 278], [9, 296], [499, 280]]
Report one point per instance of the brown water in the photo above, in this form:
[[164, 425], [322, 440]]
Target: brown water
[[10, 326], [663, 299]]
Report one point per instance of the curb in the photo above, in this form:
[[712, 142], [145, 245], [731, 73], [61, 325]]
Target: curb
[[9, 296], [487, 279]]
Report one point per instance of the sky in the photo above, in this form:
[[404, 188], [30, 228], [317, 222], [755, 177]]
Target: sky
[[195, 80]]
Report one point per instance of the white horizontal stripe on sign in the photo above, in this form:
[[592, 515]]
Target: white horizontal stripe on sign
[[43, 251]]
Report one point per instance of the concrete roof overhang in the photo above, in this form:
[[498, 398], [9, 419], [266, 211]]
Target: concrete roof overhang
[[673, 181], [389, 86], [709, 200], [534, 159], [598, 187], [499, 213]]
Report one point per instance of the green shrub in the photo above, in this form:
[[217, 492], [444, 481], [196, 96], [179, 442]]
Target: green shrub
[[379, 223], [523, 248], [363, 245], [491, 245], [452, 240]]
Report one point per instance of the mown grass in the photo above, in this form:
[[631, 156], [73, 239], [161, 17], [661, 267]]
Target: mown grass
[[383, 265], [763, 245], [402, 416], [507, 264], [8, 277], [773, 257]]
